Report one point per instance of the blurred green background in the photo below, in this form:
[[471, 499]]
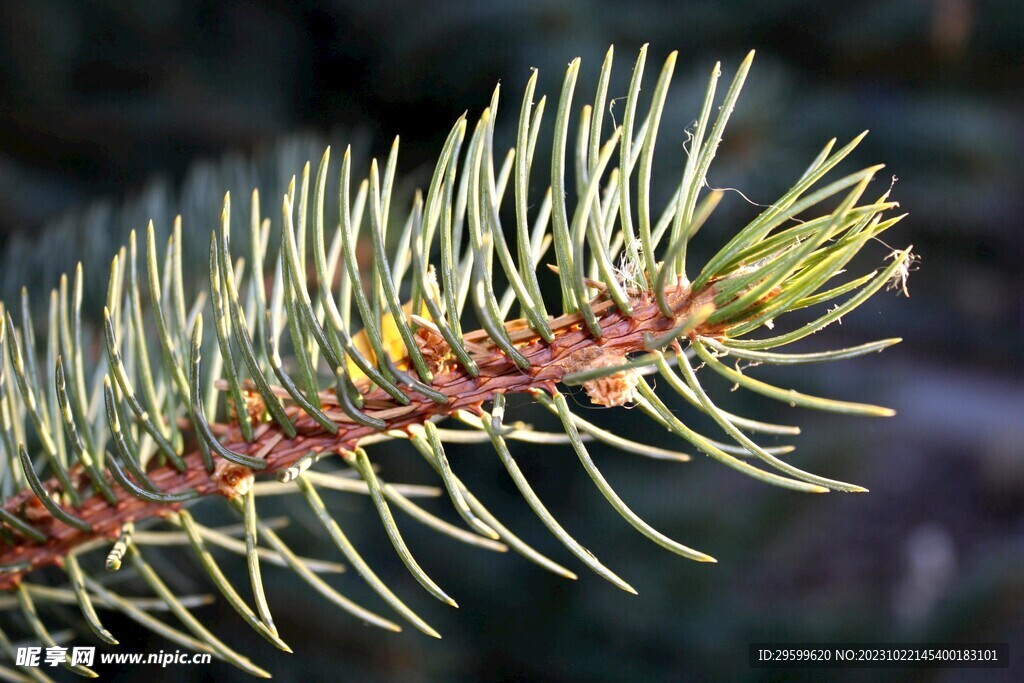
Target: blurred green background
[[111, 113]]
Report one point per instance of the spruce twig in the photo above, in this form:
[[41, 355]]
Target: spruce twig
[[160, 427]]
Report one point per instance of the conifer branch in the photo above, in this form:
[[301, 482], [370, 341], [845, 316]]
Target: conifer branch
[[157, 427]]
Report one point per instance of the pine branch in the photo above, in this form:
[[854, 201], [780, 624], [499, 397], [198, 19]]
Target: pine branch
[[156, 429]]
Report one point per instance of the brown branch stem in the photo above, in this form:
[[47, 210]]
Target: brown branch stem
[[497, 375]]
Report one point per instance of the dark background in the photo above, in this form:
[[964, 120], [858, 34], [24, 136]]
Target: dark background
[[111, 113]]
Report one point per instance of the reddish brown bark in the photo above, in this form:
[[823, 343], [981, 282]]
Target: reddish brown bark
[[498, 375]]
